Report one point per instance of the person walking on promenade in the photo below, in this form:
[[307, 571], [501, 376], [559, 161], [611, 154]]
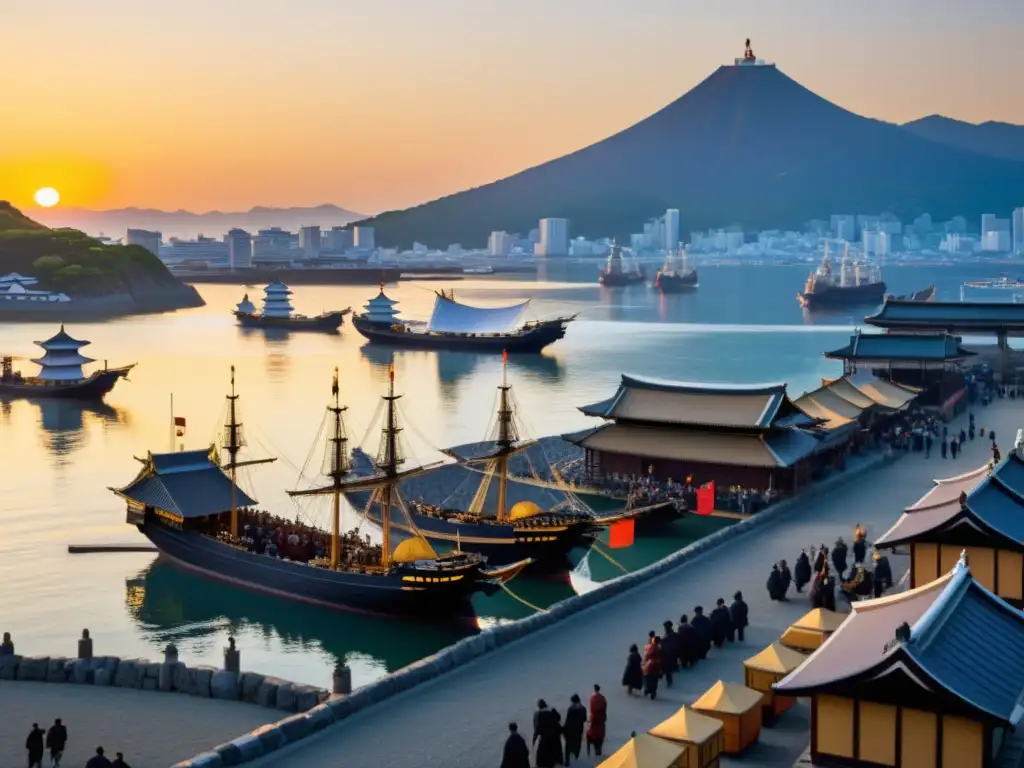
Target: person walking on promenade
[[120, 763], [883, 573], [839, 552], [98, 760], [738, 615], [954, 446], [686, 639], [774, 583], [56, 740], [515, 754], [828, 598], [860, 544], [702, 631], [598, 718], [572, 730], [547, 736], [669, 653], [652, 666], [821, 559], [720, 623], [944, 446], [963, 438], [633, 677], [34, 745], [996, 455], [801, 571], [929, 441], [787, 579]]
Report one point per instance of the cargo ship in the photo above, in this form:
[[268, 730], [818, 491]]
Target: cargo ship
[[1002, 290], [616, 274], [856, 285], [677, 276]]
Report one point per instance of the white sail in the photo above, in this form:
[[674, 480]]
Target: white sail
[[451, 317]]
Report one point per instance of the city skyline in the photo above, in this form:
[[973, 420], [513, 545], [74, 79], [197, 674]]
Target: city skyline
[[191, 107]]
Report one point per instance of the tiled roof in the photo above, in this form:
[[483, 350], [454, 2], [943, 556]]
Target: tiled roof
[[901, 346], [955, 314]]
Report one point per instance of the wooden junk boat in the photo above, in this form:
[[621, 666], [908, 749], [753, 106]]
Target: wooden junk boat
[[187, 504], [278, 313], [458, 327], [615, 273], [677, 276], [511, 533], [60, 373]]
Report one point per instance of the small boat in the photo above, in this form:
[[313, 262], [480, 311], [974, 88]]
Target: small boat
[[615, 273], [1000, 290], [278, 313], [458, 327], [60, 372], [677, 276], [826, 291], [188, 504]]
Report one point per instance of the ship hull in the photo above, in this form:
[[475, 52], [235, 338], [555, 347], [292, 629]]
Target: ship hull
[[527, 342], [327, 322], [621, 279], [390, 594], [95, 387], [836, 296], [684, 283], [992, 294]]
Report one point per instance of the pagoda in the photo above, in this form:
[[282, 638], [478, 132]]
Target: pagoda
[[380, 309], [276, 302], [245, 306], [62, 361]]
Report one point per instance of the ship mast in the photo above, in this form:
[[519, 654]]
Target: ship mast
[[339, 467], [388, 461], [232, 444], [506, 436]]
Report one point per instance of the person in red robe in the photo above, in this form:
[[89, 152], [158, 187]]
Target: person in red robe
[[652, 666], [598, 718]]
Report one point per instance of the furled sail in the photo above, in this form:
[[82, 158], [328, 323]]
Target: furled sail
[[451, 317]]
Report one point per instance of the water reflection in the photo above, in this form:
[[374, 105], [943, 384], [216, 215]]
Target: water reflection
[[452, 367], [64, 421]]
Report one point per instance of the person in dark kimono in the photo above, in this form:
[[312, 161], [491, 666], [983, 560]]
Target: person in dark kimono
[[774, 583], [56, 740], [954, 446], [633, 677], [828, 595], [860, 547], [821, 559], [720, 623], [839, 556], [738, 615], [786, 579], [686, 639], [99, 760], [547, 736], [859, 585], [944, 446], [652, 666], [120, 763], [669, 653], [34, 745], [598, 720], [963, 437], [702, 631], [802, 571], [572, 730], [883, 573]]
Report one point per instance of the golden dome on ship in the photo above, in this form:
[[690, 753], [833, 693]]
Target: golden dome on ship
[[524, 509], [413, 549]]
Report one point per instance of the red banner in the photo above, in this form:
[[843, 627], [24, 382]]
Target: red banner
[[706, 498], [179, 421], [620, 534]]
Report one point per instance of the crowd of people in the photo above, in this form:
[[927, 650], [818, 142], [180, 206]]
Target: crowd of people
[[55, 740], [927, 433], [557, 741]]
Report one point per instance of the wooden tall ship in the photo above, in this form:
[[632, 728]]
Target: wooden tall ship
[[188, 505], [616, 274], [677, 276]]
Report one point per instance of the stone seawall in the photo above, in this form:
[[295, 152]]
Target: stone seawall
[[272, 737]]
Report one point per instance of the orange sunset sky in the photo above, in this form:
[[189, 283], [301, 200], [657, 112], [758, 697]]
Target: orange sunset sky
[[377, 104]]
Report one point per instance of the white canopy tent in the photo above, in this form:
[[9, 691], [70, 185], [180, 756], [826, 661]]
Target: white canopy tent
[[451, 317]]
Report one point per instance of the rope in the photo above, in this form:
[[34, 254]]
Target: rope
[[905, 579], [609, 558], [514, 596]]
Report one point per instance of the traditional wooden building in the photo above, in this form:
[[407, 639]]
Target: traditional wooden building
[[739, 710], [932, 363], [980, 512], [645, 751], [751, 436], [702, 736], [928, 678], [763, 670], [811, 630]]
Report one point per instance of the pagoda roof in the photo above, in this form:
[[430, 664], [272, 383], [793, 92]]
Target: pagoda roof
[[779, 448], [380, 300], [729, 699], [656, 401], [645, 751], [937, 347], [61, 340], [949, 315], [188, 484], [688, 726], [838, 402], [277, 287], [994, 507], [960, 650], [895, 397]]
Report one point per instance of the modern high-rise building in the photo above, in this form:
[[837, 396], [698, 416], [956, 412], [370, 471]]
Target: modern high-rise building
[[672, 229], [554, 237], [844, 226], [988, 221], [309, 241], [364, 238], [143, 237], [500, 243], [337, 240], [239, 249], [1018, 230]]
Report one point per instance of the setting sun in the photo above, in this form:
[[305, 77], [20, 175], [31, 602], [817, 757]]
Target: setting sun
[[47, 197]]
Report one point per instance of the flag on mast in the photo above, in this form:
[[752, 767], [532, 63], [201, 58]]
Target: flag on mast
[[391, 371], [621, 533], [179, 426], [504, 356]]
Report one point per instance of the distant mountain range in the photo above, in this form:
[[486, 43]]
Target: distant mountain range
[[114, 223], [748, 145], [1004, 140]]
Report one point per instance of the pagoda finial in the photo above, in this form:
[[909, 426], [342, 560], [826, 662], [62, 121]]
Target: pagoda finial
[[382, 287]]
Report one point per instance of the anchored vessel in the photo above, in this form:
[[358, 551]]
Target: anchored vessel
[[458, 327], [855, 285], [616, 274], [278, 313], [1001, 290], [187, 504], [677, 276], [60, 372]]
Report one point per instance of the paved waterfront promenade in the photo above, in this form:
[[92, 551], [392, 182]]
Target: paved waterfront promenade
[[459, 720], [153, 729]]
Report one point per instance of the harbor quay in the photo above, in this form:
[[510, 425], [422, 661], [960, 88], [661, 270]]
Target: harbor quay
[[459, 720]]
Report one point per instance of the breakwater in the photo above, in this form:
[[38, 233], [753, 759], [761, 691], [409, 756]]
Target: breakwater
[[273, 737]]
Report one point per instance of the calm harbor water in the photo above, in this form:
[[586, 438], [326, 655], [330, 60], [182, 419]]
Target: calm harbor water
[[57, 460]]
